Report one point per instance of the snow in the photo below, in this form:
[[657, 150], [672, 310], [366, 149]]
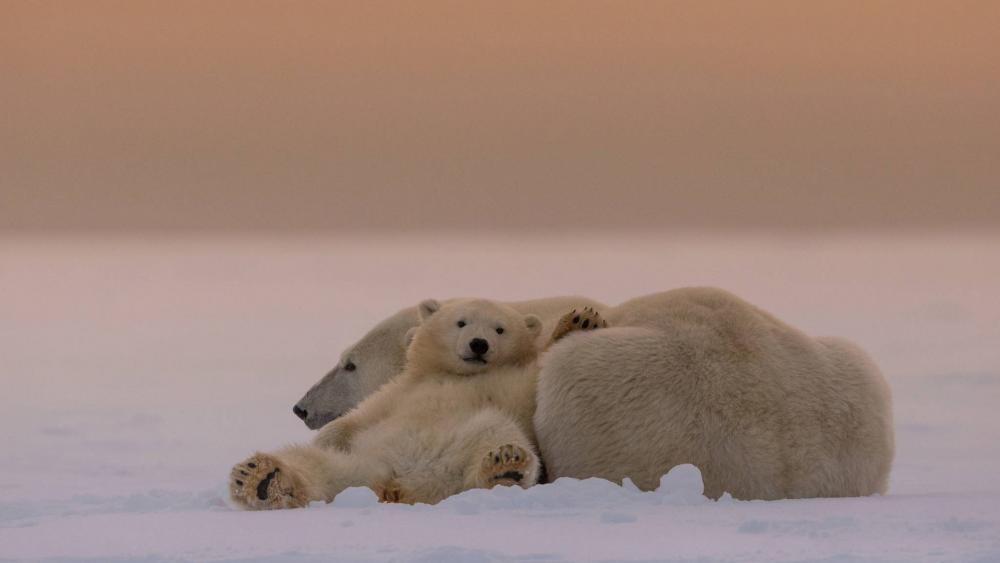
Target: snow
[[135, 372]]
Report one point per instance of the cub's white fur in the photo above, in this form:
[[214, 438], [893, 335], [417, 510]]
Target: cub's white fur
[[380, 355], [458, 417]]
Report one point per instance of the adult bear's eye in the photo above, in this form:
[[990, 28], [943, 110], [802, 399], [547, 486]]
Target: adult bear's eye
[[461, 324], [499, 330], [349, 366]]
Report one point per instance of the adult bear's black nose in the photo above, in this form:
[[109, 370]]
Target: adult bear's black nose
[[479, 346], [300, 412]]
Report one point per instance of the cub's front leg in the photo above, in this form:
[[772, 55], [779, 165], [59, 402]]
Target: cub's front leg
[[297, 475], [340, 433], [337, 434]]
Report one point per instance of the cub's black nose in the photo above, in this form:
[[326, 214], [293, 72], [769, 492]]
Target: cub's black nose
[[479, 346], [300, 412]]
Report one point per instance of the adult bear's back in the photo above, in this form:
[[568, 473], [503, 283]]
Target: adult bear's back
[[697, 375]]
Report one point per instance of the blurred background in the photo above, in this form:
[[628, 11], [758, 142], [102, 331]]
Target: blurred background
[[184, 116], [203, 203]]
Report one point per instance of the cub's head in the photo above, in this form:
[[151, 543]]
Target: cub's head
[[470, 336]]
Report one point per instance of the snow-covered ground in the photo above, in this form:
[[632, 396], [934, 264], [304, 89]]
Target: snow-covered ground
[[135, 372]]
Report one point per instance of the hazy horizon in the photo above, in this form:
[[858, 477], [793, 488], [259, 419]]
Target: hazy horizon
[[311, 117]]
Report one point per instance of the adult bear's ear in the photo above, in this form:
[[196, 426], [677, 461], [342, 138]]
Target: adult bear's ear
[[428, 308], [534, 323], [408, 337]]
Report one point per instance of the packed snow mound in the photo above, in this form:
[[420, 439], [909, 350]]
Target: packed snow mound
[[568, 520], [355, 497], [681, 486]]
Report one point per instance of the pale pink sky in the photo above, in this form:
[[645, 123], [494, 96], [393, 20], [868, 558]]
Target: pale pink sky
[[598, 115]]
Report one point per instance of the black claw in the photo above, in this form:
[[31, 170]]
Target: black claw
[[238, 482], [251, 465], [244, 473], [576, 319], [586, 323]]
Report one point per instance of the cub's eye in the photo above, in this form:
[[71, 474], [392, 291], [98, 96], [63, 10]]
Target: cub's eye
[[461, 324], [349, 366], [500, 330]]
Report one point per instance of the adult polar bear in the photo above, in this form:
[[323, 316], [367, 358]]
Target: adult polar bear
[[697, 375]]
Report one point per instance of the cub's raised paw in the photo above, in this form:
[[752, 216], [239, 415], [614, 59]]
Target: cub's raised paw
[[261, 482], [508, 465], [392, 491], [584, 319]]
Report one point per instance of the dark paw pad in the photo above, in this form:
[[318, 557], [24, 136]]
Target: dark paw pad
[[264, 483]]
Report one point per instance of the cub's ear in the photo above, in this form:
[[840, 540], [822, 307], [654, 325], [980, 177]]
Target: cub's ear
[[428, 308], [408, 337], [533, 323]]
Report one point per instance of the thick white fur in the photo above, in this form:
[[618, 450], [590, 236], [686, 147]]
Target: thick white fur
[[429, 433], [380, 356], [699, 376], [693, 375]]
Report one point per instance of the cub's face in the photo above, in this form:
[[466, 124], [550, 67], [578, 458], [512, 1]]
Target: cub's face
[[470, 336]]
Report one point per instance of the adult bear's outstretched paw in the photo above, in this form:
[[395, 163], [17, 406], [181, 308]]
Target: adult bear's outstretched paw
[[578, 320], [262, 482]]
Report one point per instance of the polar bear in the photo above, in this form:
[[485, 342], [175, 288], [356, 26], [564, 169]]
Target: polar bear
[[458, 417], [697, 375], [381, 354]]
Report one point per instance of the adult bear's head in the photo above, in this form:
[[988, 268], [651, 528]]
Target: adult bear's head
[[364, 367]]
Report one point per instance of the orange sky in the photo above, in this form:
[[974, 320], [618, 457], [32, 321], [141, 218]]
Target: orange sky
[[315, 116]]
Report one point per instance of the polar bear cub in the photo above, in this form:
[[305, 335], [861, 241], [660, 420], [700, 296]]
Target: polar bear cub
[[458, 417]]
